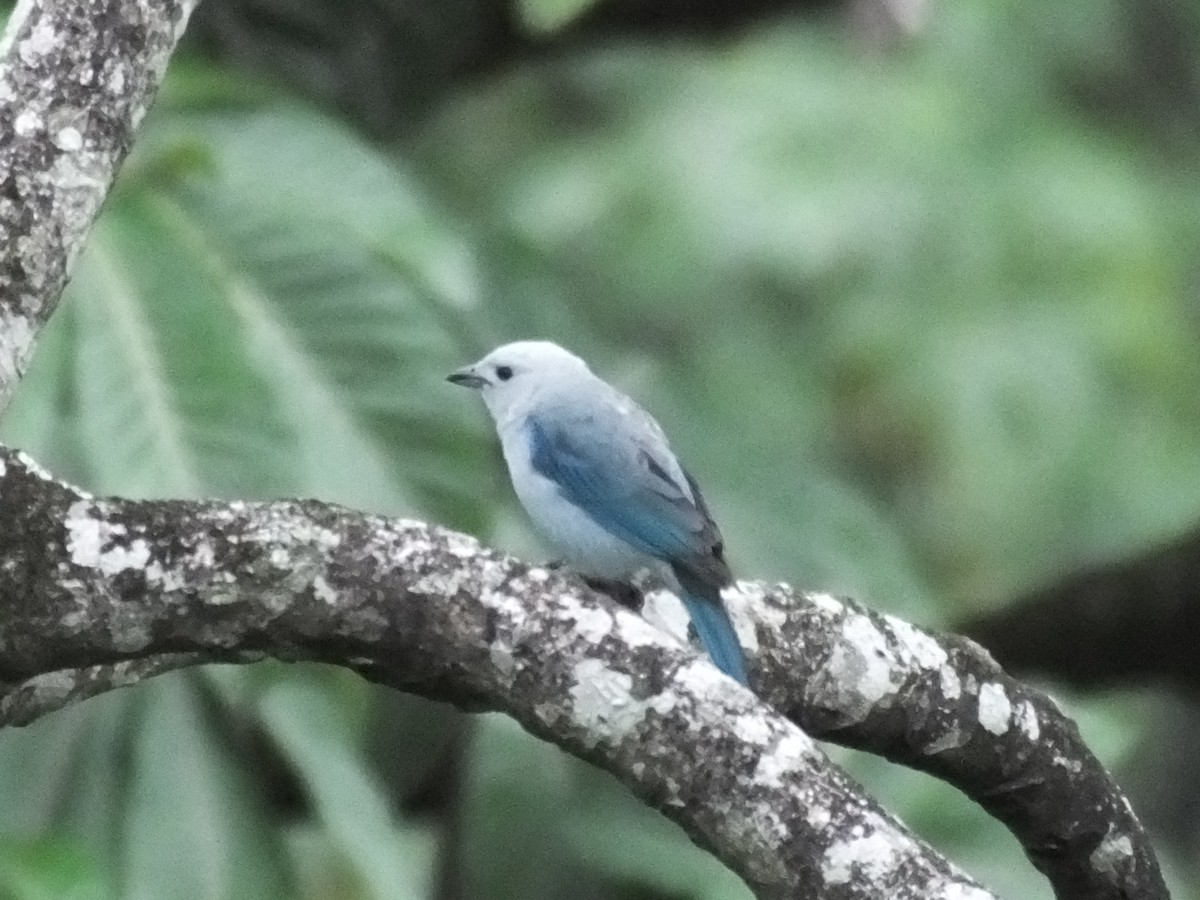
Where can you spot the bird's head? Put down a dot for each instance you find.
(514, 373)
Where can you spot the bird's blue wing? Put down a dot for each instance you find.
(625, 489)
(622, 488)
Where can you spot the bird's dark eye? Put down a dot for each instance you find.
(504, 372)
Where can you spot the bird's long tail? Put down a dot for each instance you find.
(716, 633)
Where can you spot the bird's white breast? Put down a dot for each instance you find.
(585, 545)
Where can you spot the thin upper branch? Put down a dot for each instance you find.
(88, 583)
(76, 78)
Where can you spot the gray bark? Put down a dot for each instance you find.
(76, 78)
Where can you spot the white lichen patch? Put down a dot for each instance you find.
(16, 339)
(322, 590)
(754, 728)
(957, 891)
(995, 709)
(164, 579)
(793, 751)
(52, 685)
(441, 584)
(68, 139)
(874, 856)
(708, 682)
(502, 658)
(817, 816)
(1113, 853)
(755, 599)
(80, 179)
(875, 677)
(604, 703)
(31, 465)
(42, 39)
(27, 123)
(98, 544)
(1027, 721)
(923, 649)
(637, 632)
(860, 671)
(503, 602)
(1071, 765)
(204, 555)
(513, 611)
(461, 545)
(739, 600)
(827, 602)
(666, 612)
(951, 683)
(116, 80)
(593, 624)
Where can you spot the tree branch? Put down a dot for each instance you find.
(86, 583)
(1137, 615)
(942, 705)
(76, 77)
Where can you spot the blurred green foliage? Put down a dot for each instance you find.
(922, 322)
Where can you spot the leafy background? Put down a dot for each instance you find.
(921, 313)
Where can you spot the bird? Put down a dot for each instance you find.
(596, 475)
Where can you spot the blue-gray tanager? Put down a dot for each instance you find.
(595, 473)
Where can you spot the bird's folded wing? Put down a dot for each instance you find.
(622, 483)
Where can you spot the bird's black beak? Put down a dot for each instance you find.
(467, 378)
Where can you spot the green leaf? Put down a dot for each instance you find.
(40, 772)
(194, 827)
(325, 872)
(624, 841)
(515, 807)
(43, 415)
(171, 399)
(547, 16)
(307, 721)
(248, 326)
(357, 296)
(48, 869)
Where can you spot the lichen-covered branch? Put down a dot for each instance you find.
(133, 587)
(941, 704)
(88, 582)
(76, 77)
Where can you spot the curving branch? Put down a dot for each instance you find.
(76, 78)
(133, 586)
(942, 705)
(87, 583)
